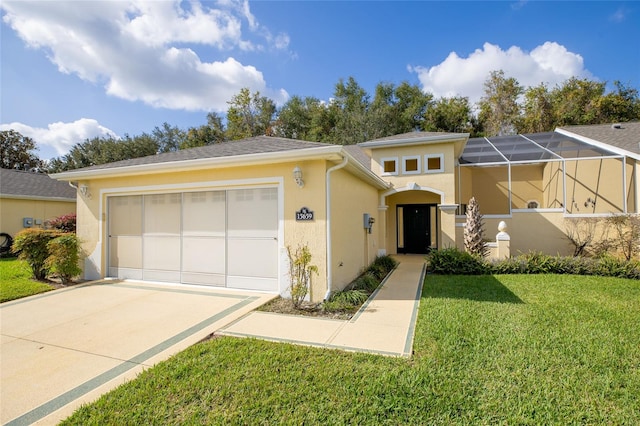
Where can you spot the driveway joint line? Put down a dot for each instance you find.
(67, 348)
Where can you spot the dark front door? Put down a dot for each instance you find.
(415, 228)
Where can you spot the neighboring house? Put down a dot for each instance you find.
(28, 200)
(224, 214)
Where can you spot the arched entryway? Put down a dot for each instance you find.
(412, 219)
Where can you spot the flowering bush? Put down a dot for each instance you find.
(64, 223)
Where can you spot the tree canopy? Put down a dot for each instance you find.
(18, 152)
(352, 115)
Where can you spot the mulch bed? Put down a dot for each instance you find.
(284, 306)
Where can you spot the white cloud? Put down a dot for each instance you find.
(550, 63)
(61, 136)
(144, 50)
(619, 15)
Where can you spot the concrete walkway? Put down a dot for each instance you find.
(384, 325)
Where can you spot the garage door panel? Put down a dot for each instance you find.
(125, 252)
(217, 280)
(126, 273)
(161, 253)
(162, 214)
(125, 214)
(204, 214)
(159, 275)
(253, 213)
(247, 283)
(253, 258)
(206, 255)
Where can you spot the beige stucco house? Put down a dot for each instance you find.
(223, 215)
(28, 200)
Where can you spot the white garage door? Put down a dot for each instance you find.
(221, 238)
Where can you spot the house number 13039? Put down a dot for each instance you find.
(304, 214)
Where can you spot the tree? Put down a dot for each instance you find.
(169, 138)
(619, 106)
(449, 115)
(349, 109)
(412, 104)
(16, 152)
(499, 108)
(382, 116)
(396, 110)
(249, 115)
(298, 119)
(102, 150)
(474, 230)
(538, 110)
(576, 102)
(207, 134)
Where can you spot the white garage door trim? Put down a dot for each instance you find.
(252, 255)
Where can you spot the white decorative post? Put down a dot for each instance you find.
(503, 240)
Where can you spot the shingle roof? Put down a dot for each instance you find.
(359, 154)
(254, 145)
(413, 135)
(622, 135)
(37, 185)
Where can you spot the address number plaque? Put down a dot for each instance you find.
(304, 214)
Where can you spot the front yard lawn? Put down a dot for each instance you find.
(16, 281)
(512, 349)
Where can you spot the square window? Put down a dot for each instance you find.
(434, 163)
(411, 165)
(389, 166)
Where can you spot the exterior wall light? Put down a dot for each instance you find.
(297, 176)
(84, 191)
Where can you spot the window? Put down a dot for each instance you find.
(389, 166)
(434, 163)
(411, 165)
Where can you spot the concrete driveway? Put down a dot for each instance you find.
(67, 347)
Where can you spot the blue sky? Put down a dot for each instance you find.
(77, 69)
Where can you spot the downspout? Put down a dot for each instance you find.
(345, 160)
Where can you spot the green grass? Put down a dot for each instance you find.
(510, 349)
(16, 281)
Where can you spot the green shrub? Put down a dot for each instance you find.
(455, 262)
(611, 266)
(378, 271)
(451, 261)
(538, 263)
(345, 301)
(64, 256)
(387, 262)
(366, 282)
(31, 245)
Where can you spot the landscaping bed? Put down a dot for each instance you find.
(342, 304)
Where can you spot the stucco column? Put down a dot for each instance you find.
(382, 229)
(447, 225)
